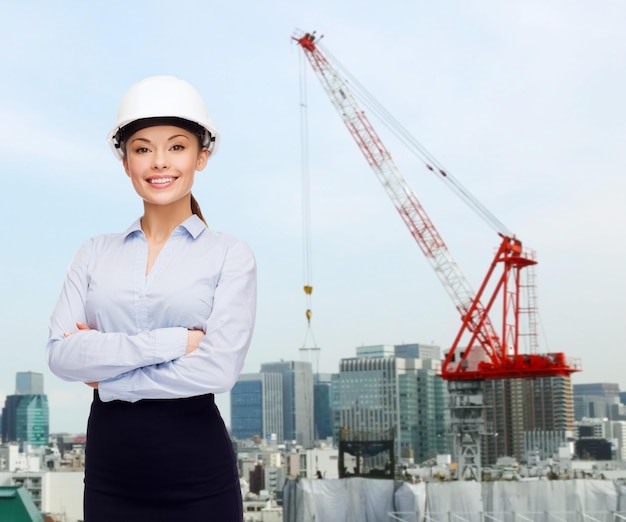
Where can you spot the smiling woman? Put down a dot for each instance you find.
(158, 319)
(161, 162)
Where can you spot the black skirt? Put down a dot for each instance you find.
(160, 460)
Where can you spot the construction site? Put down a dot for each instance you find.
(500, 383)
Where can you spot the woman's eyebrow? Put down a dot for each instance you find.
(140, 138)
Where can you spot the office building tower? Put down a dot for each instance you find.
(598, 400)
(297, 379)
(29, 383)
(404, 351)
(322, 409)
(433, 411)
(597, 389)
(417, 351)
(25, 416)
(256, 406)
(377, 351)
(378, 391)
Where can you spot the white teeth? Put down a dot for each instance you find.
(160, 181)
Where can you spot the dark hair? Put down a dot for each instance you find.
(195, 209)
(129, 129)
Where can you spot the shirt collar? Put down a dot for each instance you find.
(193, 225)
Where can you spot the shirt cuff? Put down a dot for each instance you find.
(169, 343)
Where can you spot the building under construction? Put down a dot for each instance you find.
(518, 409)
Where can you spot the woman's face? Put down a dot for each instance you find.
(161, 162)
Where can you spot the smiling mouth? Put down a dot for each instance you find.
(160, 181)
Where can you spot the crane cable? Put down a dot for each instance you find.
(307, 270)
(417, 149)
(431, 163)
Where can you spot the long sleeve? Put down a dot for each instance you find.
(95, 355)
(215, 366)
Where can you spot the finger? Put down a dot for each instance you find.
(82, 326)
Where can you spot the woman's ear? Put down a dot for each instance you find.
(203, 158)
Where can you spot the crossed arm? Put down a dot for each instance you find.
(168, 362)
(193, 341)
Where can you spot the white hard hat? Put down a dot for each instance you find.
(162, 100)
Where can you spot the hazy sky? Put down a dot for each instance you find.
(522, 101)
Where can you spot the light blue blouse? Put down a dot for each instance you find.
(139, 323)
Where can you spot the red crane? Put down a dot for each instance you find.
(489, 353)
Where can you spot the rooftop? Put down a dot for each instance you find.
(16, 505)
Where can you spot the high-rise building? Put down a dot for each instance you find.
(405, 351)
(379, 390)
(598, 389)
(25, 416)
(417, 351)
(322, 409)
(376, 351)
(598, 400)
(297, 380)
(256, 406)
(433, 411)
(29, 383)
(516, 406)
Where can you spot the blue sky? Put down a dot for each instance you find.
(522, 101)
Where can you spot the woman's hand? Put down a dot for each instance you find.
(193, 340)
(82, 327)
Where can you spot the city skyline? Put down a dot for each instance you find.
(224, 403)
(521, 102)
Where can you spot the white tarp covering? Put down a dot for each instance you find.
(463, 498)
(410, 499)
(546, 500)
(621, 497)
(373, 500)
(348, 500)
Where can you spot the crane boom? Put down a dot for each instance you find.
(499, 356)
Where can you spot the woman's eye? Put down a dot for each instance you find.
(178, 147)
(141, 150)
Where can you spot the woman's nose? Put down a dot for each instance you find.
(159, 160)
